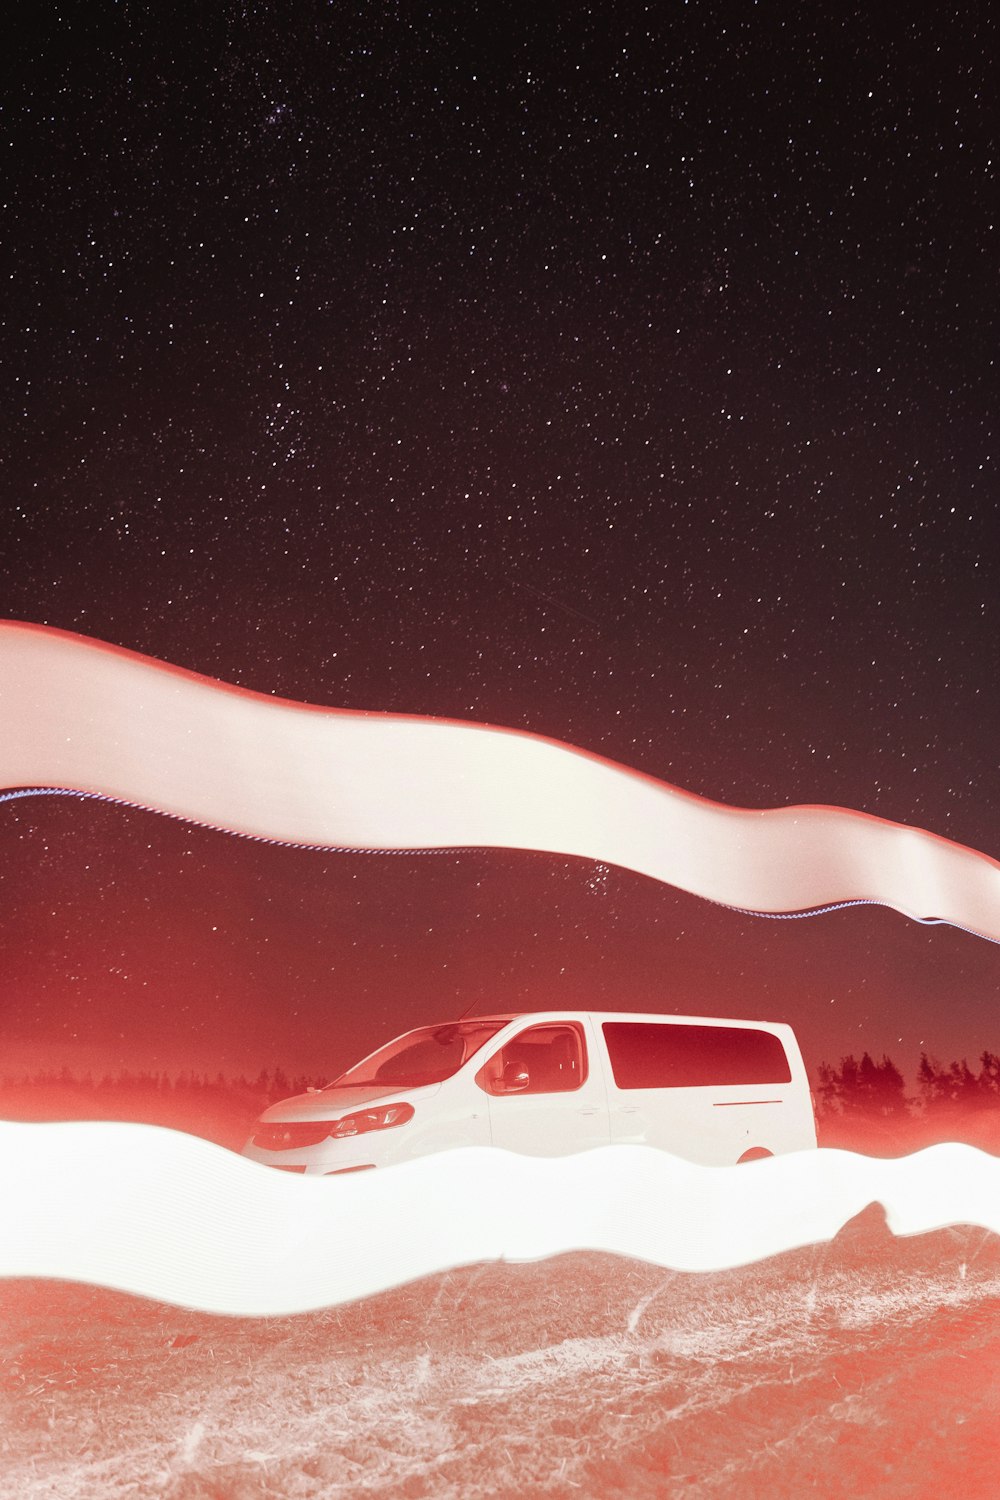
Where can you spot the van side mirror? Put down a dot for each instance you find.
(514, 1079)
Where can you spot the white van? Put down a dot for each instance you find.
(549, 1084)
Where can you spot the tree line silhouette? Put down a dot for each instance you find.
(219, 1108)
(877, 1090)
(856, 1089)
(270, 1085)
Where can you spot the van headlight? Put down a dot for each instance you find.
(381, 1118)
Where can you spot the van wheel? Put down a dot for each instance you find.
(756, 1153)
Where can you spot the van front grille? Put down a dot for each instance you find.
(286, 1137)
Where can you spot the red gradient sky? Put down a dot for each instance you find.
(627, 379)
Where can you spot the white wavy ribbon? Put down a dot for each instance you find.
(90, 718)
(165, 1215)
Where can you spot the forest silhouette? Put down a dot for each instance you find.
(861, 1104)
(877, 1090)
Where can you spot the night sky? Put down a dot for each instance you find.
(621, 373)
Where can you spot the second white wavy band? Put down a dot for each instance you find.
(85, 716)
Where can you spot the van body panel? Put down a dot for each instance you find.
(552, 1083)
(542, 1121)
(717, 1122)
(698, 1116)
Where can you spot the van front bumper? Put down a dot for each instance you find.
(324, 1160)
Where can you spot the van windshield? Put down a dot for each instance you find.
(429, 1055)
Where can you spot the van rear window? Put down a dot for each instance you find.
(655, 1055)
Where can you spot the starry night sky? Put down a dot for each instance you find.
(622, 373)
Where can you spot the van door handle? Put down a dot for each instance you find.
(628, 1109)
(590, 1109)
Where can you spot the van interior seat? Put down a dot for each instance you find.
(565, 1055)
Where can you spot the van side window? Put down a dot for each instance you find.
(657, 1056)
(543, 1060)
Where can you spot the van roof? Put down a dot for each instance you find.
(623, 1015)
